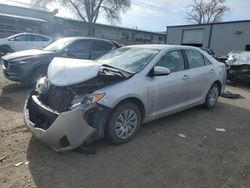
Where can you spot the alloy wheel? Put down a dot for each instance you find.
(126, 123)
(213, 95)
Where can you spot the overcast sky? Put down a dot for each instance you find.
(155, 15)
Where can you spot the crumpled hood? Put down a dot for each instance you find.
(242, 58)
(26, 53)
(67, 71)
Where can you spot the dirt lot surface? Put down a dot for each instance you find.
(157, 157)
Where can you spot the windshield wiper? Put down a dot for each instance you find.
(123, 73)
(106, 65)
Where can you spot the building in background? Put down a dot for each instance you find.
(19, 17)
(70, 27)
(220, 37)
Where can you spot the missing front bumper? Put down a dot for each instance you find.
(67, 131)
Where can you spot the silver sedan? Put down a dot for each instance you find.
(81, 101)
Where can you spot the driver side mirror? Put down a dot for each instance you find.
(159, 71)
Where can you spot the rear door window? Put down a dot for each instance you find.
(100, 46)
(40, 38)
(82, 46)
(207, 62)
(195, 59)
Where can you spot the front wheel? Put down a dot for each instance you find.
(123, 123)
(212, 96)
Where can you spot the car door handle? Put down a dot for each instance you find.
(212, 71)
(185, 77)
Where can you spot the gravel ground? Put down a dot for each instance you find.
(157, 157)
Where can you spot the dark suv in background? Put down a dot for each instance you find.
(30, 65)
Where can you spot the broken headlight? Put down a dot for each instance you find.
(86, 101)
(42, 85)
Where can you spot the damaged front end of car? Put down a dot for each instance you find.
(239, 67)
(239, 72)
(66, 116)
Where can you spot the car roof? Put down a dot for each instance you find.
(88, 38)
(162, 46)
(29, 34)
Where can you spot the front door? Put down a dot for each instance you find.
(169, 92)
(21, 42)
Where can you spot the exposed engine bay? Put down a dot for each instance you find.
(60, 98)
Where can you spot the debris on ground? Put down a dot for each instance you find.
(182, 135)
(2, 158)
(220, 129)
(27, 162)
(18, 164)
(230, 95)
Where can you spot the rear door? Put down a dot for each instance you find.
(201, 75)
(100, 48)
(40, 42)
(167, 93)
(33, 41)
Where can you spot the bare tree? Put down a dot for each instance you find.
(210, 11)
(89, 10)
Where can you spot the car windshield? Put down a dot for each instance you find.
(12, 36)
(129, 59)
(58, 45)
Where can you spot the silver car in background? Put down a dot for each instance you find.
(84, 100)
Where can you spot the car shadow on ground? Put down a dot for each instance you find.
(156, 157)
(12, 97)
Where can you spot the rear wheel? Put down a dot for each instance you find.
(212, 96)
(123, 123)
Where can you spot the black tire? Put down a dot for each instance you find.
(210, 103)
(230, 95)
(37, 74)
(112, 129)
